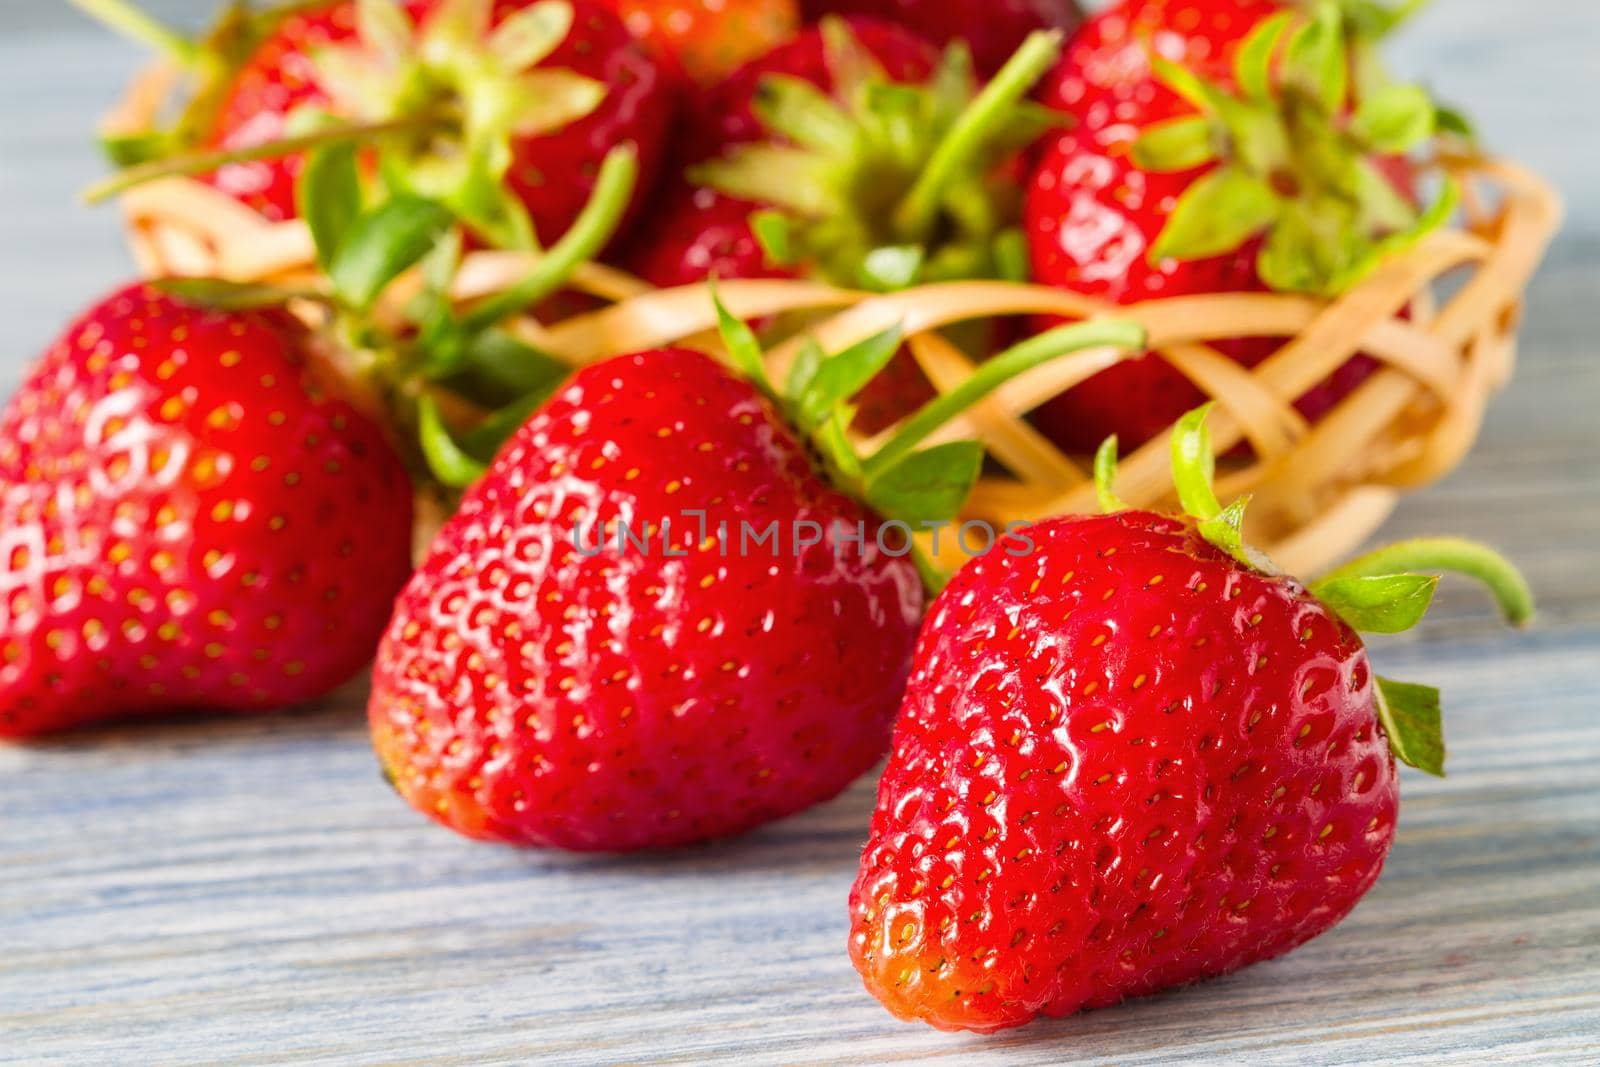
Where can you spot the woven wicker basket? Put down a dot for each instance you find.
(1441, 318)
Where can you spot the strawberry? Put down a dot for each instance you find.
(853, 155)
(1131, 755)
(190, 520)
(502, 108)
(547, 679)
(1217, 167)
(992, 30)
(864, 160)
(710, 38)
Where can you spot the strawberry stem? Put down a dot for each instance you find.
(589, 233)
(1105, 477)
(1452, 554)
(967, 137)
(189, 164)
(1109, 333)
(127, 19)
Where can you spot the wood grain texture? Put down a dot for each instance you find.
(248, 891)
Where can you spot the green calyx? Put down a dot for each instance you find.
(1295, 150)
(1386, 591)
(439, 104)
(901, 480)
(434, 355)
(882, 185)
(209, 61)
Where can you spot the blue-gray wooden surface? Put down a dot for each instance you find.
(250, 892)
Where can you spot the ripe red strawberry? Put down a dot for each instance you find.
(992, 30)
(832, 140)
(507, 106)
(710, 38)
(1129, 759)
(822, 160)
(1129, 205)
(546, 682)
(189, 521)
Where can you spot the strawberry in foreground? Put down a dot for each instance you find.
(992, 29)
(503, 109)
(1243, 157)
(1136, 756)
(709, 38)
(190, 521)
(548, 680)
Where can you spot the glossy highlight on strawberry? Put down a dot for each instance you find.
(1140, 756)
(531, 692)
(191, 521)
(1122, 764)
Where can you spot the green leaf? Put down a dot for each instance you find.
(1373, 20)
(486, 203)
(853, 67)
(804, 367)
(1452, 555)
(1287, 260)
(484, 440)
(328, 195)
(1410, 715)
(841, 376)
(1217, 213)
(1380, 604)
(1194, 465)
(1011, 258)
(447, 460)
(384, 28)
(1316, 59)
(526, 38)
(1435, 217)
(1105, 477)
(775, 234)
(796, 109)
(1187, 84)
(999, 369)
(383, 244)
(927, 486)
(1395, 119)
(219, 295)
(1225, 530)
(133, 149)
(1176, 145)
(740, 341)
(1454, 121)
(502, 367)
(1253, 65)
(890, 268)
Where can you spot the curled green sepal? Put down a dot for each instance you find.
(1194, 465)
(1381, 603)
(903, 481)
(1193, 471)
(1410, 715)
(740, 341)
(992, 374)
(1454, 555)
(583, 241)
(447, 460)
(1105, 476)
